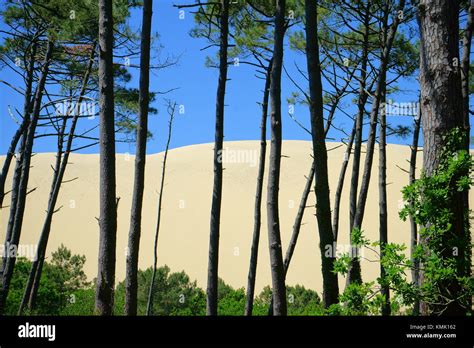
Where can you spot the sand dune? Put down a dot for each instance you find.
(184, 235)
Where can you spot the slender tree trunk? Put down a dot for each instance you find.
(321, 187)
(149, 307)
(25, 160)
(355, 277)
(32, 286)
(252, 275)
(415, 274)
(354, 269)
(139, 180)
(9, 157)
(273, 219)
(383, 215)
(442, 111)
(104, 299)
(212, 274)
(340, 184)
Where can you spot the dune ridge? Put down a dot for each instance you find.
(184, 234)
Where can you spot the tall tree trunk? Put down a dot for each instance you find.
(212, 273)
(383, 215)
(149, 307)
(415, 274)
(104, 299)
(354, 269)
(252, 275)
(442, 111)
(321, 187)
(32, 286)
(131, 284)
(25, 159)
(354, 277)
(273, 219)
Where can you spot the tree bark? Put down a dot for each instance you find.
(252, 275)
(213, 264)
(25, 160)
(321, 187)
(104, 299)
(131, 283)
(273, 219)
(442, 110)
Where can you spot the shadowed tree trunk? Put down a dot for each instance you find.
(258, 199)
(104, 297)
(415, 274)
(442, 111)
(212, 273)
(149, 307)
(32, 286)
(140, 158)
(25, 160)
(354, 273)
(274, 238)
(321, 187)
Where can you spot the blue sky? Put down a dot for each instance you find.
(196, 91)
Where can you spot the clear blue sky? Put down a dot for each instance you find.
(197, 92)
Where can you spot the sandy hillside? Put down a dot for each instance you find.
(184, 235)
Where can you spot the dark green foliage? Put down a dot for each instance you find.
(61, 278)
(445, 256)
(301, 301)
(174, 294)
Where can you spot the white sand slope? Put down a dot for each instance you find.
(184, 234)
